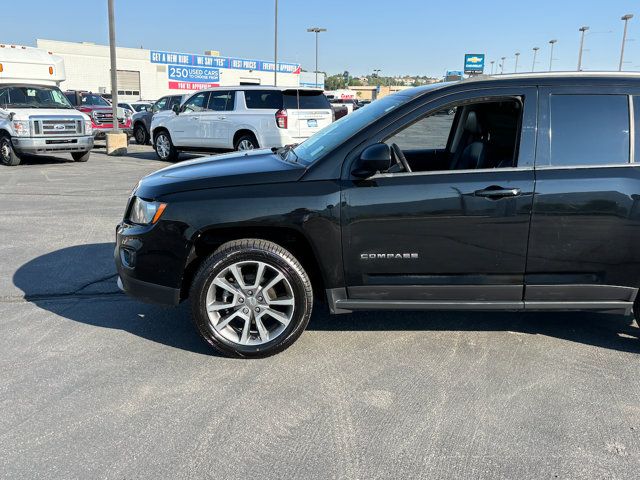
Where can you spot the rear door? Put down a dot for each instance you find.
(308, 111)
(585, 227)
(216, 120)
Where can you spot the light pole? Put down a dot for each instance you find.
(535, 54)
(502, 65)
(626, 19)
(583, 30)
(552, 43)
(492, 62)
(114, 72)
(517, 54)
(275, 49)
(317, 31)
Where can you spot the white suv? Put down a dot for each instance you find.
(240, 118)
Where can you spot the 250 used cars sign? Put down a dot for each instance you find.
(193, 74)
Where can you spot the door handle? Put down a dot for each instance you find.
(195, 118)
(497, 192)
(222, 118)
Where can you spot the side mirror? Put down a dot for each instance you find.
(374, 158)
(176, 109)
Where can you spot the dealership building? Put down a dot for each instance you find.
(150, 74)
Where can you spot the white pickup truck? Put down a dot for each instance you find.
(35, 116)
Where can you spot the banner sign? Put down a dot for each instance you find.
(193, 74)
(191, 85)
(474, 63)
(188, 59)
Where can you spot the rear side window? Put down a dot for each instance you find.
(589, 129)
(308, 100)
(263, 99)
(221, 101)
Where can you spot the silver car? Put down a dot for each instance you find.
(142, 120)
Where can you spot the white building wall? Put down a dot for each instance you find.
(88, 68)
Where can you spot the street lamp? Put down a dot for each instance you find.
(626, 19)
(492, 62)
(552, 43)
(502, 65)
(535, 54)
(583, 30)
(517, 56)
(317, 31)
(275, 48)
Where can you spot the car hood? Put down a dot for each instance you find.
(229, 170)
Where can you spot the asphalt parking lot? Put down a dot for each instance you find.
(97, 385)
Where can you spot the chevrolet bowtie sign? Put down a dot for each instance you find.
(474, 63)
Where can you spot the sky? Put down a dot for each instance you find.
(413, 37)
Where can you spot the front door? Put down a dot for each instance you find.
(455, 228)
(217, 119)
(187, 128)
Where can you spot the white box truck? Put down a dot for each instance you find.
(35, 116)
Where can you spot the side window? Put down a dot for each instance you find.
(172, 101)
(4, 96)
(220, 101)
(197, 103)
(431, 132)
(263, 99)
(466, 136)
(589, 129)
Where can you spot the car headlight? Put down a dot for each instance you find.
(146, 213)
(88, 127)
(21, 128)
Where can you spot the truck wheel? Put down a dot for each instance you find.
(246, 142)
(8, 155)
(251, 298)
(140, 134)
(80, 156)
(164, 147)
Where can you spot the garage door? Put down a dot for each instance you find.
(129, 83)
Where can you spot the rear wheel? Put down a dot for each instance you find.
(164, 147)
(8, 155)
(246, 142)
(251, 298)
(80, 156)
(140, 134)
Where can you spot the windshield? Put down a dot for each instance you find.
(93, 99)
(18, 96)
(340, 131)
(141, 107)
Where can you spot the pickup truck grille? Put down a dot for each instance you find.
(100, 118)
(46, 127)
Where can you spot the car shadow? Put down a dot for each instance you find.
(26, 159)
(85, 275)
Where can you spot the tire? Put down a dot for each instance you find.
(8, 155)
(164, 147)
(289, 299)
(80, 156)
(140, 134)
(246, 142)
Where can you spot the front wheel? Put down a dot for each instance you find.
(140, 134)
(251, 298)
(8, 155)
(164, 147)
(80, 156)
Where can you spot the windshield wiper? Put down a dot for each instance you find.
(284, 152)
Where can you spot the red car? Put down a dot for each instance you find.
(100, 111)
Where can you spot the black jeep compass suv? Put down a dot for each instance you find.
(513, 193)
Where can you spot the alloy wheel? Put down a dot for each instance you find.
(163, 146)
(250, 302)
(246, 144)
